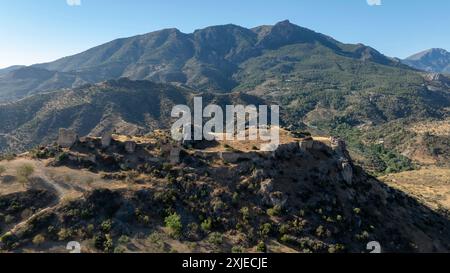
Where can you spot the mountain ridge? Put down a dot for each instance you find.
(209, 59)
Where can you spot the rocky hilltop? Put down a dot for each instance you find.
(119, 193)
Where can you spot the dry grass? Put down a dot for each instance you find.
(431, 186)
(437, 128)
(68, 183)
(250, 145)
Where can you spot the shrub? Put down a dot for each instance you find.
(124, 239)
(275, 211)
(62, 157)
(24, 172)
(237, 249)
(265, 230)
(108, 244)
(245, 213)
(320, 231)
(64, 234)
(285, 238)
(206, 225)
(38, 239)
(215, 238)
(154, 238)
(336, 248)
(173, 222)
(261, 247)
(284, 229)
(120, 249)
(106, 226)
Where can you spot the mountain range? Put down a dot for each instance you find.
(216, 58)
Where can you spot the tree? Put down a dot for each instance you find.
(24, 172)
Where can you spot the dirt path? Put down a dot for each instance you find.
(64, 182)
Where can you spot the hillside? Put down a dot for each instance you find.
(149, 194)
(129, 107)
(431, 60)
(429, 185)
(19, 82)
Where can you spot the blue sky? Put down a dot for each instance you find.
(35, 31)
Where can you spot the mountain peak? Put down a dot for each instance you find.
(431, 60)
(285, 22)
(433, 52)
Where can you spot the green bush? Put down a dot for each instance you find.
(261, 247)
(108, 244)
(245, 211)
(173, 222)
(206, 225)
(265, 230)
(106, 226)
(124, 239)
(215, 238)
(275, 211)
(237, 249)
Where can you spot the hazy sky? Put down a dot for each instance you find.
(35, 31)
